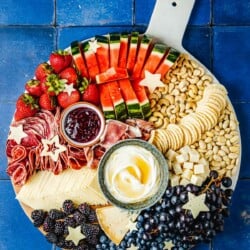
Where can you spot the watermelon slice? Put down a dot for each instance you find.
(132, 53)
(118, 101)
(78, 59)
(132, 103)
(168, 62)
(154, 59)
(144, 50)
(91, 61)
(112, 74)
(142, 98)
(124, 45)
(106, 102)
(102, 53)
(114, 40)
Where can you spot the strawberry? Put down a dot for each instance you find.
(26, 106)
(47, 102)
(91, 94)
(70, 75)
(34, 87)
(65, 99)
(53, 85)
(60, 60)
(43, 70)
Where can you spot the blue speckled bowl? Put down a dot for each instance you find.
(164, 175)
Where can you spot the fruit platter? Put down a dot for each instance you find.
(123, 141)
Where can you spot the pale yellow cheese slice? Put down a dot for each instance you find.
(115, 222)
(44, 190)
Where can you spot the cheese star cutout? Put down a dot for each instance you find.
(93, 45)
(131, 226)
(52, 148)
(196, 204)
(75, 235)
(133, 247)
(69, 88)
(168, 245)
(152, 81)
(17, 133)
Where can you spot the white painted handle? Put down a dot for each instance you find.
(169, 20)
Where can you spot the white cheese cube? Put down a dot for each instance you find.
(171, 154)
(199, 169)
(203, 161)
(184, 182)
(187, 174)
(177, 168)
(194, 156)
(185, 150)
(188, 165)
(196, 180)
(175, 180)
(182, 158)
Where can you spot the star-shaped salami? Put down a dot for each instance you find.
(168, 245)
(52, 148)
(152, 81)
(75, 235)
(196, 204)
(93, 45)
(17, 133)
(69, 88)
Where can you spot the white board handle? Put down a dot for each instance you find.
(169, 20)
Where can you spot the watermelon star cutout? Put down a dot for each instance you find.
(196, 204)
(17, 133)
(152, 81)
(168, 245)
(75, 235)
(52, 148)
(69, 88)
(93, 45)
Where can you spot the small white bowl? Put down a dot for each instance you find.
(82, 126)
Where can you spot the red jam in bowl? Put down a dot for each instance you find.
(82, 124)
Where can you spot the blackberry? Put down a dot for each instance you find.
(92, 216)
(51, 237)
(70, 221)
(82, 245)
(68, 207)
(48, 224)
(79, 217)
(68, 244)
(38, 216)
(59, 228)
(84, 208)
(56, 214)
(90, 230)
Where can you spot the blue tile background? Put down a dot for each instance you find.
(217, 34)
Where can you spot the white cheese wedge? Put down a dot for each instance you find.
(175, 179)
(194, 156)
(187, 174)
(45, 190)
(114, 222)
(177, 168)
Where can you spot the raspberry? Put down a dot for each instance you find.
(49, 224)
(51, 237)
(68, 207)
(59, 228)
(38, 217)
(56, 214)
